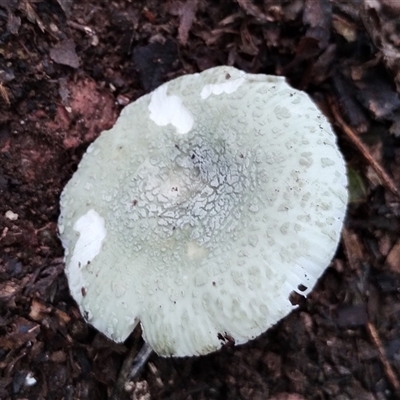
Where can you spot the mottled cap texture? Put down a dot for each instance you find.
(209, 202)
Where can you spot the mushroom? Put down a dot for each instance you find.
(209, 202)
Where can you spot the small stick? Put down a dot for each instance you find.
(385, 178)
(4, 94)
(89, 31)
(373, 333)
(140, 361)
(133, 364)
(353, 249)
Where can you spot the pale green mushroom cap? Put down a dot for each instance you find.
(210, 201)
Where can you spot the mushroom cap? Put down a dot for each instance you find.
(209, 202)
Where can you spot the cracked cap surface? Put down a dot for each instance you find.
(210, 200)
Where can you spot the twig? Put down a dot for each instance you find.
(385, 178)
(391, 376)
(140, 360)
(89, 31)
(4, 94)
(353, 249)
(133, 364)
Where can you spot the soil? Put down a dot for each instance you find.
(67, 68)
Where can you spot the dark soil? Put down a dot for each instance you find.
(66, 70)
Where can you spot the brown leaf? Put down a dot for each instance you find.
(13, 23)
(307, 49)
(353, 248)
(23, 331)
(345, 27)
(251, 9)
(393, 258)
(66, 6)
(381, 24)
(317, 14)
(31, 14)
(7, 290)
(10, 5)
(377, 93)
(187, 12)
(249, 43)
(350, 108)
(64, 53)
(38, 310)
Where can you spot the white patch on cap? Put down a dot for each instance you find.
(228, 87)
(92, 231)
(166, 110)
